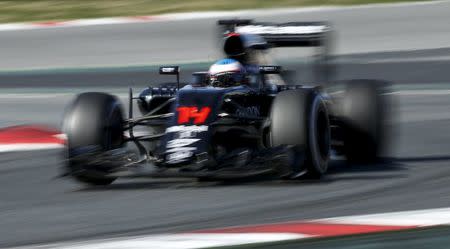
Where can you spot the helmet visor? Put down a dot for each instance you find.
(227, 79)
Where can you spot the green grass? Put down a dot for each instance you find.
(45, 10)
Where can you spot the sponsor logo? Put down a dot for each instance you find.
(189, 131)
(248, 111)
(178, 156)
(181, 142)
(169, 70)
(187, 128)
(187, 114)
(179, 148)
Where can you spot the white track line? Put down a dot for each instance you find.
(29, 146)
(428, 217)
(175, 241)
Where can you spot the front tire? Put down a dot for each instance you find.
(94, 120)
(299, 118)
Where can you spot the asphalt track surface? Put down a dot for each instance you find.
(421, 67)
(358, 30)
(37, 207)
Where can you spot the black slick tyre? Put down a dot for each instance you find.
(363, 114)
(94, 120)
(299, 118)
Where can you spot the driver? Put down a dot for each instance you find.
(227, 73)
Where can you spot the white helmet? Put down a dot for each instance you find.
(226, 73)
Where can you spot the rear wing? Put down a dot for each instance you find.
(291, 34)
(317, 35)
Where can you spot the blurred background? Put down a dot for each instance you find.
(52, 50)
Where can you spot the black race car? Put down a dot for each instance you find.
(203, 131)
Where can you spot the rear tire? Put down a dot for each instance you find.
(94, 120)
(364, 111)
(299, 118)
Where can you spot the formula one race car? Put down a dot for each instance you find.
(239, 119)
